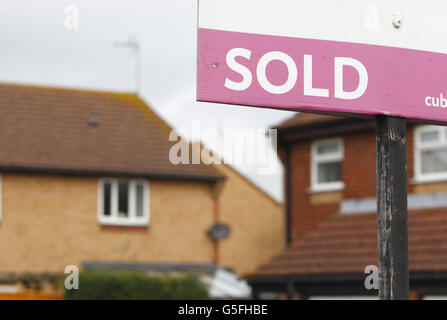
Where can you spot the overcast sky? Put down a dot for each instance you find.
(37, 48)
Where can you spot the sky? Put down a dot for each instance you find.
(38, 48)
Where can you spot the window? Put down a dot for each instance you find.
(123, 202)
(430, 154)
(327, 156)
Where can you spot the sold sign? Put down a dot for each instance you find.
(324, 57)
(292, 74)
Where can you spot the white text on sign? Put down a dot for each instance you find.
(289, 84)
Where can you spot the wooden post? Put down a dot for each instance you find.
(392, 217)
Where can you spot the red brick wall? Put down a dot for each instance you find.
(304, 216)
(358, 172)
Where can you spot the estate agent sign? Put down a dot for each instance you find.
(383, 58)
(348, 56)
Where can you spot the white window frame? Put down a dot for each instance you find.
(132, 219)
(420, 146)
(318, 158)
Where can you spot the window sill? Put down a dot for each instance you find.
(428, 180)
(123, 223)
(123, 228)
(326, 189)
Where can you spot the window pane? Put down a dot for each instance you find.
(428, 136)
(434, 161)
(139, 200)
(123, 199)
(329, 147)
(329, 172)
(107, 192)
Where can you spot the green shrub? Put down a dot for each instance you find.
(109, 285)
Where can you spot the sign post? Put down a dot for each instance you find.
(392, 218)
(377, 59)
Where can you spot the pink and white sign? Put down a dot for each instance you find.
(347, 57)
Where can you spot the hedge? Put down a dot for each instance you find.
(110, 285)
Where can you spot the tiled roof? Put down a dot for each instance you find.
(346, 244)
(86, 132)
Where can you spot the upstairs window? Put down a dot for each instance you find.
(327, 156)
(123, 202)
(430, 153)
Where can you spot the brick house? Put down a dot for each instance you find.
(330, 207)
(86, 180)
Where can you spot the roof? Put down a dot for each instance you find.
(305, 119)
(86, 132)
(346, 244)
(301, 119)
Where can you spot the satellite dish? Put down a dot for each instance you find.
(219, 231)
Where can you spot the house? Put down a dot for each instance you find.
(86, 180)
(331, 209)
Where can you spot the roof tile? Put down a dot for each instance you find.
(86, 131)
(348, 243)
